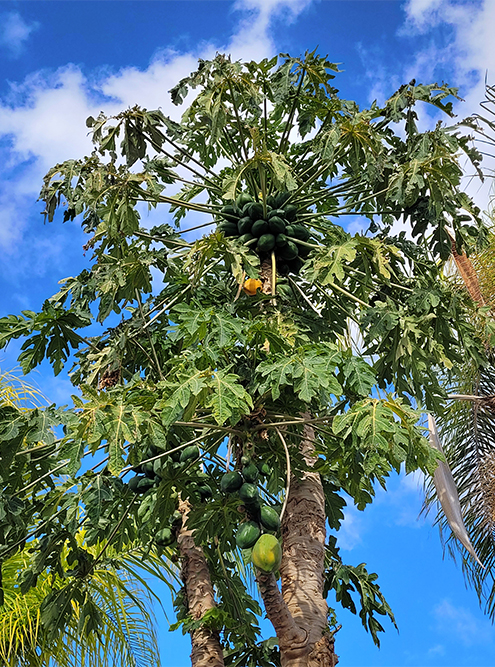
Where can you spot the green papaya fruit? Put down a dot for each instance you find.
(230, 211)
(276, 213)
(298, 232)
(276, 225)
(303, 250)
(264, 469)
(205, 491)
(149, 470)
(247, 535)
(189, 453)
(259, 228)
(176, 519)
(244, 225)
(144, 484)
(231, 482)
(295, 265)
(133, 483)
(228, 229)
(175, 456)
(280, 199)
(290, 212)
(246, 237)
(255, 211)
(250, 473)
(269, 518)
(164, 537)
(242, 199)
(289, 252)
(266, 243)
(248, 493)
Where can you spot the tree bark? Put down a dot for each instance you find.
(468, 274)
(206, 648)
(299, 613)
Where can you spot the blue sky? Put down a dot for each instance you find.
(62, 61)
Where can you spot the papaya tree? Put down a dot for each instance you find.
(245, 367)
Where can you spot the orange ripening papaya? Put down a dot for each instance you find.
(251, 286)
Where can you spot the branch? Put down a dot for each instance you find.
(287, 458)
(290, 636)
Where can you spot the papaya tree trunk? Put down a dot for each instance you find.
(206, 648)
(302, 568)
(299, 612)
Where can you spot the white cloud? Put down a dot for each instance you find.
(253, 39)
(469, 47)
(352, 528)
(456, 43)
(149, 88)
(14, 32)
(436, 650)
(49, 126)
(421, 14)
(462, 625)
(44, 116)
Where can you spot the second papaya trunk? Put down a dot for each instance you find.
(206, 648)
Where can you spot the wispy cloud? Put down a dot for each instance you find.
(461, 42)
(462, 625)
(254, 39)
(438, 649)
(402, 501)
(422, 15)
(14, 32)
(352, 529)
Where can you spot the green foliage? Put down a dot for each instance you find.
(103, 619)
(193, 361)
(347, 579)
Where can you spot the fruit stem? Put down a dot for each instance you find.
(274, 275)
(287, 459)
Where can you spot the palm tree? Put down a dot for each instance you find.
(116, 602)
(465, 486)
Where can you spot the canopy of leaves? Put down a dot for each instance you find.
(188, 359)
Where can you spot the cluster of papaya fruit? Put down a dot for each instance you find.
(148, 476)
(149, 473)
(257, 532)
(267, 228)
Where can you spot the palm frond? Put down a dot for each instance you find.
(119, 631)
(15, 391)
(447, 495)
(467, 431)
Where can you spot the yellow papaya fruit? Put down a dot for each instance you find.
(251, 286)
(267, 553)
